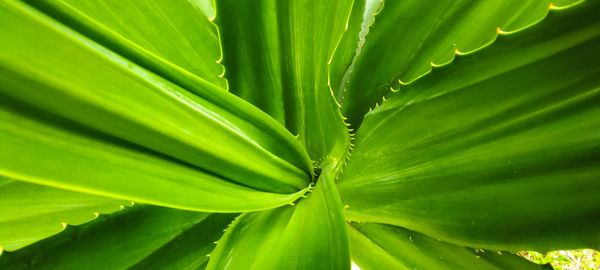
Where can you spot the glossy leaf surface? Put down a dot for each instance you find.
(174, 39)
(79, 80)
(378, 246)
(136, 238)
(310, 235)
(80, 159)
(33, 212)
(457, 156)
(407, 38)
(277, 55)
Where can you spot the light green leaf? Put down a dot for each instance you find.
(175, 39)
(353, 40)
(49, 150)
(408, 38)
(136, 238)
(310, 235)
(277, 55)
(56, 70)
(379, 246)
(33, 212)
(190, 249)
(498, 150)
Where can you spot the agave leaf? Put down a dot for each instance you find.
(52, 151)
(135, 238)
(58, 71)
(175, 39)
(310, 235)
(361, 18)
(277, 55)
(408, 38)
(498, 150)
(380, 246)
(33, 212)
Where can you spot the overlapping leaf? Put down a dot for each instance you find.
(498, 150)
(55, 75)
(277, 55)
(126, 99)
(379, 246)
(407, 38)
(33, 212)
(66, 155)
(172, 38)
(138, 238)
(310, 235)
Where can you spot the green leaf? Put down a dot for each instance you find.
(408, 38)
(136, 238)
(277, 55)
(310, 235)
(58, 71)
(498, 150)
(33, 212)
(45, 149)
(380, 246)
(174, 39)
(361, 18)
(346, 49)
(190, 249)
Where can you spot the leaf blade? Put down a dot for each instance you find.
(379, 246)
(31, 212)
(505, 128)
(87, 88)
(278, 55)
(176, 40)
(102, 165)
(409, 38)
(147, 231)
(310, 235)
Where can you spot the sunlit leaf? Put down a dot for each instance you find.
(379, 246)
(33, 212)
(408, 38)
(310, 235)
(140, 238)
(172, 38)
(277, 55)
(56, 71)
(498, 150)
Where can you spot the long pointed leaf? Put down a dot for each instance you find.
(68, 156)
(379, 246)
(136, 238)
(58, 71)
(33, 212)
(498, 150)
(174, 39)
(408, 38)
(277, 55)
(310, 235)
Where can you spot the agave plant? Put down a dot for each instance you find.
(297, 134)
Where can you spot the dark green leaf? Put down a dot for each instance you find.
(310, 235)
(57, 71)
(52, 151)
(277, 55)
(499, 150)
(141, 237)
(410, 37)
(378, 246)
(33, 212)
